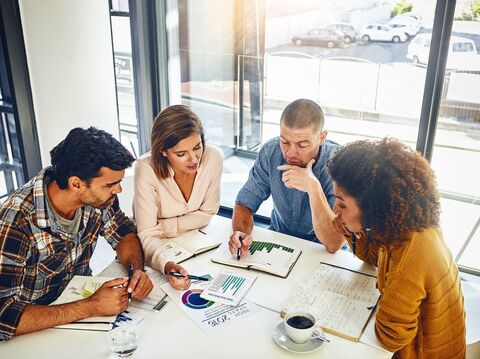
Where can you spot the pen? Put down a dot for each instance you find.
(189, 276)
(239, 250)
(130, 275)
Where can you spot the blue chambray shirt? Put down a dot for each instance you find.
(291, 212)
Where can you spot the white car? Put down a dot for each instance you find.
(410, 15)
(409, 29)
(382, 32)
(462, 53)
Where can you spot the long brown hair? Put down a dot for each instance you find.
(171, 126)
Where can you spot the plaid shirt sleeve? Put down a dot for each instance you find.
(116, 224)
(14, 252)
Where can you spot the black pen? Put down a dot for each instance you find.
(130, 275)
(239, 250)
(189, 276)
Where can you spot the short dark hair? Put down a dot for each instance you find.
(302, 113)
(171, 126)
(393, 185)
(84, 152)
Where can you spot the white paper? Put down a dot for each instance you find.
(117, 270)
(228, 287)
(138, 310)
(196, 241)
(208, 315)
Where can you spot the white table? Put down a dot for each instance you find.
(171, 334)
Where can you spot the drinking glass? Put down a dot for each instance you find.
(124, 339)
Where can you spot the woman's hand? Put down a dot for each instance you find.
(177, 283)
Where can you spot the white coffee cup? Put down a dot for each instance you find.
(299, 326)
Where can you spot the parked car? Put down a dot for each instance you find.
(350, 33)
(409, 29)
(382, 32)
(462, 52)
(411, 15)
(406, 20)
(322, 37)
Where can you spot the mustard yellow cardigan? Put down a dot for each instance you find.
(421, 312)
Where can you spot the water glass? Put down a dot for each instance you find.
(123, 339)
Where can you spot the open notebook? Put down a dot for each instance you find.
(81, 287)
(341, 300)
(268, 257)
(186, 245)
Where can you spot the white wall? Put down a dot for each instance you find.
(69, 54)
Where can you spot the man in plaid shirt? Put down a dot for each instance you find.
(49, 229)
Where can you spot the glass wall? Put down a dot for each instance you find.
(122, 48)
(364, 62)
(11, 167)
(262, 54)
(456, 153)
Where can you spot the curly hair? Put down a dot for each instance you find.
(393, 185)
(84, 152)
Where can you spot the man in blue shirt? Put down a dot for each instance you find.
(292, 169)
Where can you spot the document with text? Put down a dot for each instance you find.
(341, 300)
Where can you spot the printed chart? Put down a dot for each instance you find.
(208, 314)
(229, 287)
(192, 299)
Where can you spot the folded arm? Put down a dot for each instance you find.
(397, 320)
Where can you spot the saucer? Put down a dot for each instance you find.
(281, 338)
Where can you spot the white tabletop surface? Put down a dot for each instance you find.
(171, 334)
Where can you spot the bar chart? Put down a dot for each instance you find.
(228, 287)
(258, 246)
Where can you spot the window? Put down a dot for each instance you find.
(239, 75)
(19, 148)
(463, 47)
(456, 152)
(122, 49)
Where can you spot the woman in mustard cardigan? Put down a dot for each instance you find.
(388, 209)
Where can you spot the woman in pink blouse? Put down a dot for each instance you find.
(177, 185)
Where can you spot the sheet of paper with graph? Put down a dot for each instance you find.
(340, 299)
(268, 257)
(228, 287)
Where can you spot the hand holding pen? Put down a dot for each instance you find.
(180, 280)
(189, 276)
(239, 243)
(130, 275)
(139, 284)
(239, 249)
